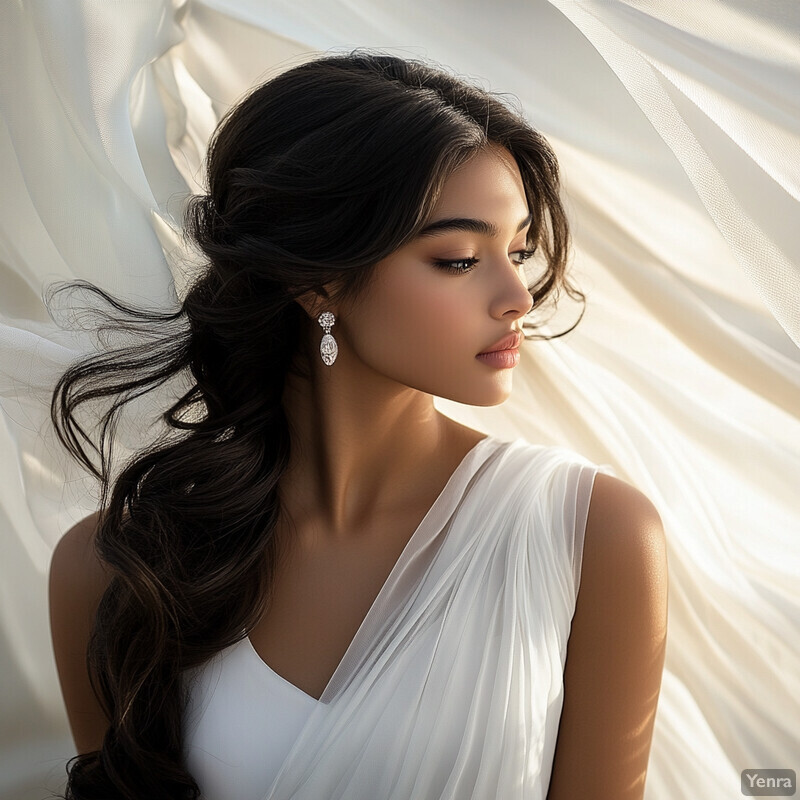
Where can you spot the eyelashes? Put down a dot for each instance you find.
(461, 266)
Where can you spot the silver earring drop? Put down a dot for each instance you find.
(328, 348)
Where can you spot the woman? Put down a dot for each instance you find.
(318, 585)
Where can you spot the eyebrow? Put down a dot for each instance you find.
(468, 225)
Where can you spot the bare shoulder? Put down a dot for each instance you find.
(618, 509)
(75, 566)
(624, 561)
(616, 648)
(77, 582)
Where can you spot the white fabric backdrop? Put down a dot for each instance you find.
(678, 129)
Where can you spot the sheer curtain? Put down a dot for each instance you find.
(677, 126)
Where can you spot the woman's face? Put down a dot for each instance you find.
(431, 309)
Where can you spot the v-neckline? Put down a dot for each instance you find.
(325, 698)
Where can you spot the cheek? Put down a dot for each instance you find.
(439, 317)
(422, 325)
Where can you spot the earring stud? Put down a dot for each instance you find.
(328, 348)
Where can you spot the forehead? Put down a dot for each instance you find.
(485, 186)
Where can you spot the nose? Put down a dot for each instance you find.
(511, 298)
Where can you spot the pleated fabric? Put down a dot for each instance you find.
(677, 127)
(453, 684)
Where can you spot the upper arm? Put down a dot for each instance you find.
(616, 648)
(76, 584)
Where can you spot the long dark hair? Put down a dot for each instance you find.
(313, 178)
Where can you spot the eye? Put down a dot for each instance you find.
(463, 265)
(524, 255)
(459, 266)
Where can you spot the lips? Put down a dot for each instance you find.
(509, 342)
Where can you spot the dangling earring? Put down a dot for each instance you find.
(328, 348)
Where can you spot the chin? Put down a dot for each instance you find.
(468, 387)
(487, 396)
(499, 400)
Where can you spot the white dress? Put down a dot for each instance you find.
(453, 684)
